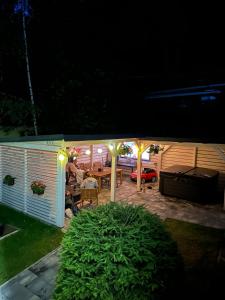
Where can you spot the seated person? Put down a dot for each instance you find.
(79, 172)
(89, 182)
(70, 207)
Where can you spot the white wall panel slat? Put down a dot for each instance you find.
(84, 158)
(42, 166)
(13, 164)
(178, 155)
(28, 165)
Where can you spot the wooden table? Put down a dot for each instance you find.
(106, 172)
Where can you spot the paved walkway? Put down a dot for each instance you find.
(37, 281)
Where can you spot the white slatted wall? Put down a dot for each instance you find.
(13, 164)
(28, 165)
(42, 165)
(209, 157)
(84, 158)
(206, 157)
(100, 157)
(178, 155)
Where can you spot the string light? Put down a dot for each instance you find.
(88, 152)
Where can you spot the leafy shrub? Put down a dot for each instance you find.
(116, 251)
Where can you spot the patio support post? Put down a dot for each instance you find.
(114, 147)
(25, 180)
(141, 148)
(139, 170)
(113, 178)
(60, 191)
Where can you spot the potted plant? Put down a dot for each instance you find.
(73, 152)
(154, 149)
(9, 180)
(38, 187)
(125, 149)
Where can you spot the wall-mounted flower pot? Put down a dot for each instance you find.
(39, 192)
(38, 187)
(9, 180)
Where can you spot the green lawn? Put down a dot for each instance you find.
(199, 245)
(33, 240)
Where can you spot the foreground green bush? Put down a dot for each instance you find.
(116, 252)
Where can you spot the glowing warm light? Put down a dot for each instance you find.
(61, 157)
(99, 150)
(111, 147)
(88, 152)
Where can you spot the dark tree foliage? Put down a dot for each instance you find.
(92, 62)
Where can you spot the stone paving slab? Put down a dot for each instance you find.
(40, 288)
(35, 282)
(17, 291)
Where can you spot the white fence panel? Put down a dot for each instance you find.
(42, 165)
(28, 165)
(13, 164)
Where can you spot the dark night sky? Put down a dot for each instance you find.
(142, 46)
(133, 38)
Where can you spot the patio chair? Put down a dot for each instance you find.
(106, 182)
(90, 195)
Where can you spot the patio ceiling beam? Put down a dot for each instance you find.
(96, 142)
(180, 143)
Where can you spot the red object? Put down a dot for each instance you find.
(146, 175)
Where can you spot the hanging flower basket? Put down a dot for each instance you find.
(38, 187)
(125, 149)
(73, 152)
(9, 180)
(154, 149)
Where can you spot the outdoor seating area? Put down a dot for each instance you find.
(79, 195)
(210, 214)
(90, 164)
(108, 160)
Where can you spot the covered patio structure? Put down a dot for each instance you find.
(44, 158)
